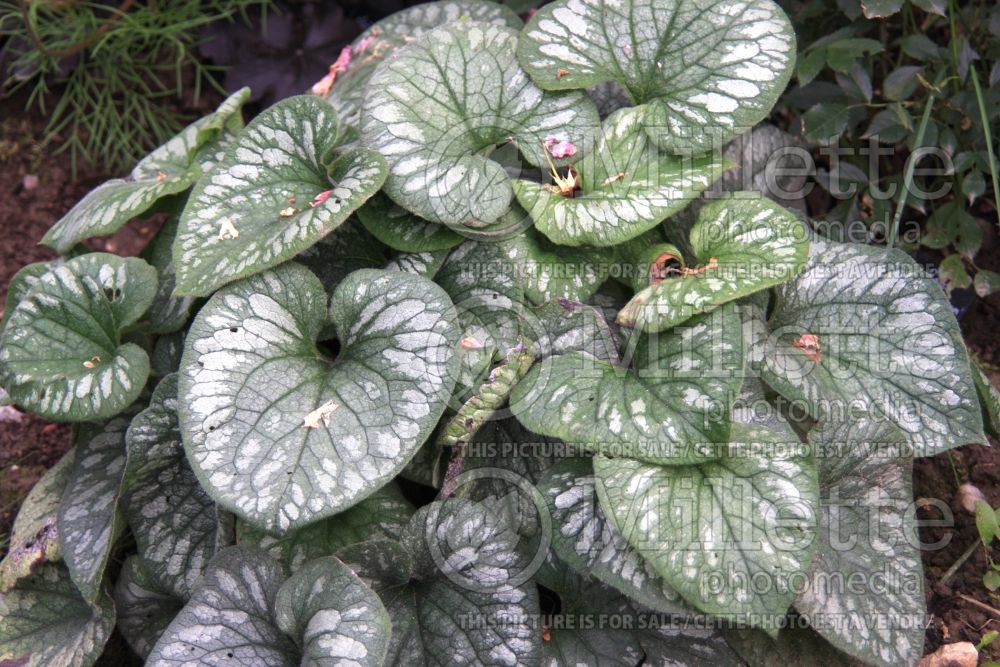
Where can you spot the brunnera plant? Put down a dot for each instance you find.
(310, 416)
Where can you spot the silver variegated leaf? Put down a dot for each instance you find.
(230, 618)
(564, 326)
(175, 523)
(337, 619)
(706, 70)
(145, 608)
(279, 189)
(44, 622)
(170, 169)
(89, 519)
(61, 352)
(865, 329)
(397, 30)
(669, 406)
(867, 534)
(454, 91)
(281, 434)
(467, 567)
(742, 246)
(587, 542)
(731, 536)
(626, 187)
(594, 624)
(425, 264)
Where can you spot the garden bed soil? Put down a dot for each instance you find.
(29, 445)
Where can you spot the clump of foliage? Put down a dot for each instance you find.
(884, 79)
(475, 262)
(121, 72)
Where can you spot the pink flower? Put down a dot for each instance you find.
(343, 60)
(559, 148)
(322, 87)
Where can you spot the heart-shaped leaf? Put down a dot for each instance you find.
(319, 434)
(626, 187)
(61, 353)
(144, 607)
(706, 72)
(338, 618)
(467, 567)
(453, 93)
(867, 534)
(33, 537)
(382, 515)
(171, 168)
(590, 544)
(399, 229)
(732, 536)
(395, 31)
(174, 522)
(279, 189)
(741, 246)
(865, 329)
(89, 520)
(669, 408)
(44, 622)
(245, 611)
(230, 616)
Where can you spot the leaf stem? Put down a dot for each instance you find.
(988, 135)
(910, 167)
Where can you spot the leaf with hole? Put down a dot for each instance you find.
(281, 433)
(33, 538)
(62, 353)
(45, 622)
(245, 610)
(175, 523)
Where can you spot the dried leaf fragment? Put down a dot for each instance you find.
(809, 344)
(320, 414)
(227, 230)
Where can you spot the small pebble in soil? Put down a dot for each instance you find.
(967, 496)
(959, 654)
(29, 182)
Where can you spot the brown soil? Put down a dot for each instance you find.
(29, 445)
